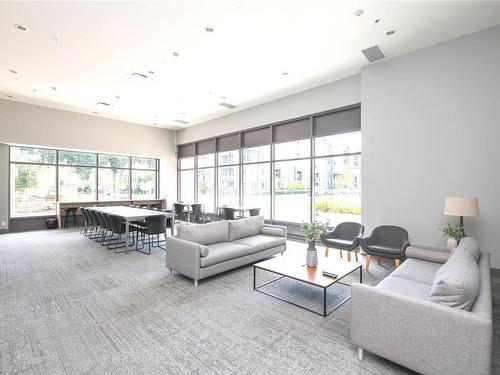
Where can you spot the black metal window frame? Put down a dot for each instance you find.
(272, 161)
(96, 166)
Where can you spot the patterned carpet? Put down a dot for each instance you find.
(69, 306)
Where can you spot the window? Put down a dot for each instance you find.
(345, 143)
(256, 154)
(292, 191)
(206, 188)
(187, 163)
(114, 161)
(229, 157)
(187, 186)
(143, 184)
(76, 184)
(143, 163)
(228, 186)
(32, 155)
(32, 189)
(256, 187)
(206, 160)
(113, 184)
(337, 189)
(292, 150)
(77, 158)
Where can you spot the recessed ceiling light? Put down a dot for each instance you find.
(223, 97)
(227, 105)
(117, 96)
(55, 39)
(183, 113)
(284, 73)
(377, 20)
(175, 54)
(54, 88)
(151, 72)
(96, 113)
(20, 27)
(35, 90)
(390, 32)
(9, 96)
(155, 124)
(209, 29)
(182, 121)
(13, 71)
(359, 12)
(140, 78)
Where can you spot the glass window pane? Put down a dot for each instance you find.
(337, 144)
(77, 184)
(113, 184)
(187, 186)
(254, 154)
(143, 163)
(292, 150)
(32, 190)
(77, 158)
(114, 161)
(32, 155)
(206, 160)
(292, 191)
(229, 157)
(143, 184)
(228, 186)
(338, 189)
(256, 187)
(187, 163)
(206, 189)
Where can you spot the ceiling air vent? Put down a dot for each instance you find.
(227, 105)
(373, 53)
(182, 122)
(140, 78)
(104, 104)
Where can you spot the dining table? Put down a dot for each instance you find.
(240, 209)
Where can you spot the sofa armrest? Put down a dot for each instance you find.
(184, 256)
(428, 253)
(421, 335)
(274, 230)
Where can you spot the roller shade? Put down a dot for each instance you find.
(337, 122)
(185, 151)
(292, 131)
(257, 137)
(228, 143)
(205, 147)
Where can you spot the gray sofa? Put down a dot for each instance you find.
(202, 250)
(433, 314)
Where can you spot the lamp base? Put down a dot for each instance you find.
(462, 232)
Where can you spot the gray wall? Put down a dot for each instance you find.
(333, 95)
(431, 129)
(27, 124)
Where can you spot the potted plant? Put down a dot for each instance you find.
(312, 232)
(452, 233)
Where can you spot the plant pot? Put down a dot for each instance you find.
(451, 243)
(312, 256)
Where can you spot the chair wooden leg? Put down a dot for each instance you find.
(356, 253)
(396, 262)
(379, 259)
(340, 251)
(326, 251)
(348, 256)
(367, 264)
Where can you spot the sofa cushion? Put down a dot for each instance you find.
(222, 251)
(417, 270)
(389, 250)
(250, 226)
(338, 242)
(457, 282)
(470, 245)
(260, 242)
(204, 234)
(270, 231)
(407, 287)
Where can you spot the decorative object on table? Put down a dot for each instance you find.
(452, 233)
(461, 206)
(313, 232)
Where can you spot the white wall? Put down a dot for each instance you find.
(22, 123)
(431, 129)
(333, 95)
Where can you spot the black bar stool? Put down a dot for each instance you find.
(71, 211)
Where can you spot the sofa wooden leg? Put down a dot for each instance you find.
(379, 259)
(326, 251)
(356, 253)
(396, 262)
(195, 283)
(361, 354)
(367, 263)
(348, 256)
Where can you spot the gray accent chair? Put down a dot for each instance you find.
(202, 250)
(385, 241)
(400, 320)
(344, 237)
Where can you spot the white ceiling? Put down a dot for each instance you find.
(88, 49)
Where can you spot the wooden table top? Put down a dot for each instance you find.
(293, 265)
(130, 212)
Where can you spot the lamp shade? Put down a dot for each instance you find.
(461, 206)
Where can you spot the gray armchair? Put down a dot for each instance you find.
(386, 241)
(344, 237)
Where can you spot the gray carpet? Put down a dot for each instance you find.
(69, 306)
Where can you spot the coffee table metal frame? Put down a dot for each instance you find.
(325, 313)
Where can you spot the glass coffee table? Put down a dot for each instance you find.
(293, 266)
